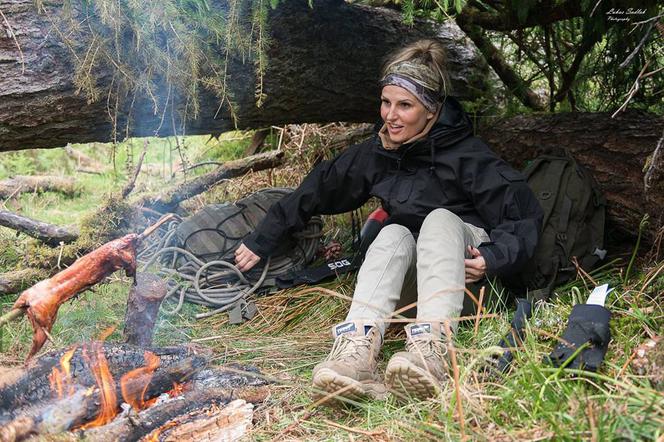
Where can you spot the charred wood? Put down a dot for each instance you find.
(158, 416)
(16, 185)
(31, 385)
(229, 423)
(83, 406)
(48, 233)
(145, 298)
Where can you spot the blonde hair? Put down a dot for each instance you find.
(428, 52)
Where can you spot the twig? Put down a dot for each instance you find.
(624, 367)
(479, 311)
(638, 47)
(370, 434)
(130, 185)
(11, 315)
(633, 90)
(455, 371)
(582, 272)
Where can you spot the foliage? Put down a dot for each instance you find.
(166, 51)
(579, 63)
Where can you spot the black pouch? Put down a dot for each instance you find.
(587, 323)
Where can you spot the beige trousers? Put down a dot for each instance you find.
(399, 271)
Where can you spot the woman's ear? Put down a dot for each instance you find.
(430, 115)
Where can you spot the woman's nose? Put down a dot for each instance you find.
(391, 114)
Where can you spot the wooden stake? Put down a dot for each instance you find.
(479, 311)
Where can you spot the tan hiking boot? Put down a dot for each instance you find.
(421, 370)
(350, 369)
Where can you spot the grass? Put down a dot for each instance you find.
(291, 332)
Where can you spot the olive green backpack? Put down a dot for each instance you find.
(573, 226)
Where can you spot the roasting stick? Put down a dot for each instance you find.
(17, 312)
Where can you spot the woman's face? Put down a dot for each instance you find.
(404, 115)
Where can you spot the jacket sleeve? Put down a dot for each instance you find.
(335, 186)
(507, 205)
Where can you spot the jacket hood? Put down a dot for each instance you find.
(453, 124)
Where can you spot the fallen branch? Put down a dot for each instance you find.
(48, 233)
(19, 280)
(19, 184)
(230, 169)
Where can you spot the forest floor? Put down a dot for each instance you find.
(291, 332)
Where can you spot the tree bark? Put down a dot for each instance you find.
(614, 150)
(48, 233)
(16, 185)
(323, 66)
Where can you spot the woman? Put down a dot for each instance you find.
(457, 212)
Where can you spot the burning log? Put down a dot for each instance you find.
(159, 421)
(89, 384)
(143, 304)
(32, 385)
(91, 407)
(42, 301)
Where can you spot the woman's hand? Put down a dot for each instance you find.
(475, 266)
(245, 259)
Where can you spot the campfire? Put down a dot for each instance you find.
(101, 391)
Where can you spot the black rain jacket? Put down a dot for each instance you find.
(449, 168)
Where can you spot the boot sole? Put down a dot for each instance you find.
(335, 384)
(409, 381)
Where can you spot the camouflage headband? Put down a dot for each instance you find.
(418, 79)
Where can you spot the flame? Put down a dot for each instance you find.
(145, 374)
(133, 385)
(60, 378)
(98, 364)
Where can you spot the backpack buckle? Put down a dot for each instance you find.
(600, 253)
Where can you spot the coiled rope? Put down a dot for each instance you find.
(215, 282)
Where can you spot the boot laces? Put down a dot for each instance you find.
(426, 346)
(349, 347)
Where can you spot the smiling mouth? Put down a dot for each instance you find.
(394, 128)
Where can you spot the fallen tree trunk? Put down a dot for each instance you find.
(615, 150)
(19, 280)
(50, 234)
(16, 185)
(40, 107)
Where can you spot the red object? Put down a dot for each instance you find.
(42, 301)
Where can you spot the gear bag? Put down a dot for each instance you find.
(573, 226)
(196, 255)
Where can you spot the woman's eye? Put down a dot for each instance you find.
(405, 105)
